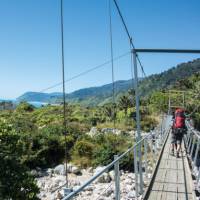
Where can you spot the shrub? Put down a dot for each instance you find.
(25, 107)
(148, 124)
(108, 146)
(47, 150)
(22, 123)
(15, 180)
(83, 152)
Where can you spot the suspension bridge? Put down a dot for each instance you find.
(170, 178)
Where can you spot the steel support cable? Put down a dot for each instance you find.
(132, 73)
(132, 81)
(141, 66)
(112, 63)
(63, 84)
(143, 76)
(86, 72)
(128, 34)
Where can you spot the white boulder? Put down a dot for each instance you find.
(60, 169)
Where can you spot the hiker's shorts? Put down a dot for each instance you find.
(176, 136)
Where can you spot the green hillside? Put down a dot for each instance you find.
(100, 95)
(158, 100)
(88, 96)
(168, 78)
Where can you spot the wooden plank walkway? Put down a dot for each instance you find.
(173, 180)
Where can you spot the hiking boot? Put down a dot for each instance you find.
(172, 153)
(177, 155)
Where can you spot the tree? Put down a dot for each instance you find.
(131, 92)
(110, 110)
(159, 100)
(25, 107)
(15, 180)
(124, 103)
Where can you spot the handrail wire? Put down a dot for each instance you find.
(191, 139)
(147, 192)
(106, 168)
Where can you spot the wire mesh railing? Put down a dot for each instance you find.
(192, 143)
(151, 145)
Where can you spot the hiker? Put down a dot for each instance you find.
(178, 131)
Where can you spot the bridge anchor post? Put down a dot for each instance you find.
(135, 171)
(138, 138)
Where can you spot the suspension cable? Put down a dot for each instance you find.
(132, 76)
(132, 79)
(128, 34)
(141, 66)
(63, 83)
(112, 64)
(84, 72)
(87, 71)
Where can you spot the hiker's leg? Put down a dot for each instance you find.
(173, 142)
(179, 141)
(176, 145)
(178, 148)
(172, 146)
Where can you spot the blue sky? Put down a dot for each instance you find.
(30, 56)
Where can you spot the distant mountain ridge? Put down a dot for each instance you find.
(87, 96)
(38, 96)
(102, 94)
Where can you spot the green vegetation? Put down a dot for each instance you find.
(190, 87)
(99, 150)
(33, 137)
(15, 179)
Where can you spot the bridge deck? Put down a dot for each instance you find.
(173, 179)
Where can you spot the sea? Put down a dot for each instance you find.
(37, 104)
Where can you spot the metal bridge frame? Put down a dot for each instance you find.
(193, 51)
(192, 143)
(160, 51)
(134, 53)
(136, 149)
(149, 50)
(177, 92)
(152, 144)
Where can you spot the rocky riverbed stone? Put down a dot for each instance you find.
(105, 178)
(60, 169)
(51, 186)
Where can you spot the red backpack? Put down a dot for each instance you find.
(179, 121)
